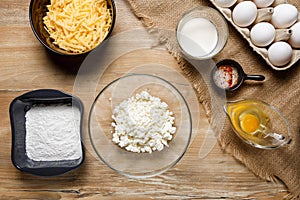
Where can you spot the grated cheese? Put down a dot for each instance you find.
(78, 25)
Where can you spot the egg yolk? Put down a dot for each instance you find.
(249, 123)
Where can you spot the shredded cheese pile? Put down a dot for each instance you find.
(78, 25)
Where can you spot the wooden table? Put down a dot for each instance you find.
(25, 66)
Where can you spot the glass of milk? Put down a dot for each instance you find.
(201, 33)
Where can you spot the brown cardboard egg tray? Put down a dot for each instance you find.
(264, 14)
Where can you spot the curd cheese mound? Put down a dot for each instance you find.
(142, 124)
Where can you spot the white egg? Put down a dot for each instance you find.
(280, 53)
(295, 37)
(284, 15)
(263, 3)
(262, 34)
(225, 3)
(244, 13)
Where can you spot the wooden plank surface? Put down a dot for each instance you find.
(25, 66)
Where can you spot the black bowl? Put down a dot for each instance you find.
(18, 108)
(38, 9)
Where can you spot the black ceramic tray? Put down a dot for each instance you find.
(18, 107)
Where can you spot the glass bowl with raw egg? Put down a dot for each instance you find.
(201, 33)
(140, 125)
(258, 123)
(65, 28)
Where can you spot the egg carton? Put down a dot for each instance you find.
(263, 14)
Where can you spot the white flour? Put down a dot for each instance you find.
(53, 133)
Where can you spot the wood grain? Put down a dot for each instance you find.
(25, 66)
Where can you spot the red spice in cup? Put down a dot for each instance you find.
(226, 76)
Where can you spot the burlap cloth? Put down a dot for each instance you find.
(281, 89)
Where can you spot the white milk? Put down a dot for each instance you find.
(198, 37)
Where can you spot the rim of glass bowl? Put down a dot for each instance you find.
(155, 171)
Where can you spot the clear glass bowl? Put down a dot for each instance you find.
(271, 130)
(138, 165)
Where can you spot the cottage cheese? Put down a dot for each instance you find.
(143, 123)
